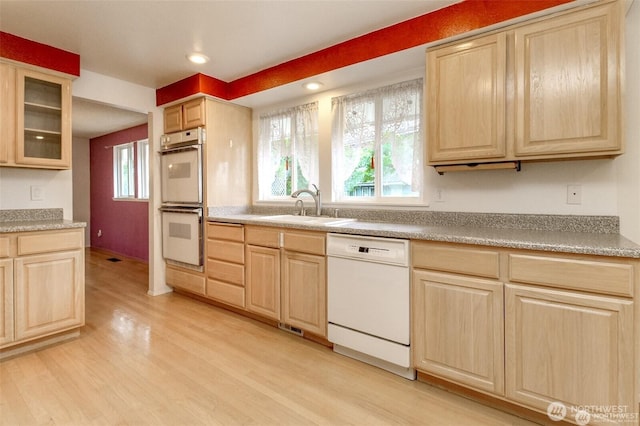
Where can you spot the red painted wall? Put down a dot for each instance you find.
(124, 224)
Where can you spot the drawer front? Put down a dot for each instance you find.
(225, 231)
(313, 243)
(50, 241)
(4, 247)
(225, 293)
(225, 250)
(225, 271)
(264, 237)
(587, 275)
(451, 258)
(185, 280)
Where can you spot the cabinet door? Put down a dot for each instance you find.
(49, 293)
(6, 301)
(263, 281)
(458, 329)
(466, 102)
(193, 114)
(304, 286)
(568, 347)
(173, 119)
(8, 113)
(568, 84)
(43, 136)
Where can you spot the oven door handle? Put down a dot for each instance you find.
(197, 211)
(180, 148)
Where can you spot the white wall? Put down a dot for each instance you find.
(16, 183)
(81, 185)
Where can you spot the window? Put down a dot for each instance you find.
(123, 171)
(126, 183)
(288, 151)
(143, 168)
(377, 144)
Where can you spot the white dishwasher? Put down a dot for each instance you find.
(368, 300)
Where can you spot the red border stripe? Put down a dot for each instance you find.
(42, 55)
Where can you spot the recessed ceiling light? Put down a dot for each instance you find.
(312, 85)
(197, 58)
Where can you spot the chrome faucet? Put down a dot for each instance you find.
(316, 197)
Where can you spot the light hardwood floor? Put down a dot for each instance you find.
(171, 360)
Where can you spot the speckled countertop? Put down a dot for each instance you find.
(35, 220)
(596, 235)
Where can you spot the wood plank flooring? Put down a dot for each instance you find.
(171, 360)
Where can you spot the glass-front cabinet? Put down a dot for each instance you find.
(42, 134)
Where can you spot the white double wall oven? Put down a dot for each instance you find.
(182, 197)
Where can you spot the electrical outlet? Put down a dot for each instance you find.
(574, 194)
(439, 195)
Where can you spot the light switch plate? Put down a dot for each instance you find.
(574, 194)
(37, 193)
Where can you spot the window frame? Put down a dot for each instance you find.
(377, 96)
(119, 172)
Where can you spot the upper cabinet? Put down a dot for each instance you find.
(542, 90)
(36, 119)
(185, 116)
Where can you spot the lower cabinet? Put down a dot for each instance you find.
(49, 290)
(41, 285)
(225, 264)
(304, 292)
(263, 281)
(458, 328)
(286, 277)
(569, 347)
(529, 328)
(6, 301)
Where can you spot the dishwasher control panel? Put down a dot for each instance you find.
(373, 249)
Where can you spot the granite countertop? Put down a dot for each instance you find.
(605, 243)
(35, 220)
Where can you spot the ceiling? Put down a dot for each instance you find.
(145, 42)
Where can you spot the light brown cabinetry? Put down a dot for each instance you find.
(263, 271)
(42, 284)
(6, 301)
(225, 263)
(535, 91)
(286, 277)
(304, 282)
(36, 119)
(458, 319)
(562, 332)
(569, 347)
(184, 116)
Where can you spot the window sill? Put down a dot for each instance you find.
(136, 200)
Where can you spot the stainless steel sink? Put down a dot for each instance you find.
(309, 220)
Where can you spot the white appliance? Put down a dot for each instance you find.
(368, 303)
(182, 198)
(181, 164)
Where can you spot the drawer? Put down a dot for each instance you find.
(265, 237)
(577, 274)
(51, 241)
(225, 231)
(185, 280)
(226, 293)
(453, 258)
(305, 242)
(5, 245)
(225, 250)
(225, 271)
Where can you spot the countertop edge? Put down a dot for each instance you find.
(31, 226)
(612, 245)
